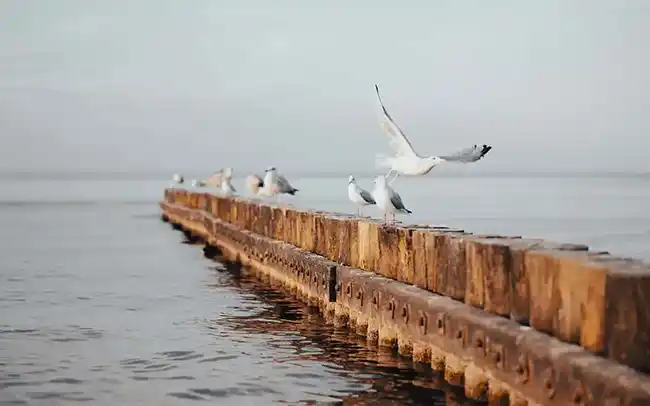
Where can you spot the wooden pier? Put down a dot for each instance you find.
(514, 320)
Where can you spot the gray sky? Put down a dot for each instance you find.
(152, 85)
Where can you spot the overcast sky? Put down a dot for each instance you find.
(154, 85)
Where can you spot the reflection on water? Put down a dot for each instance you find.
(107, 305)
(308, 349)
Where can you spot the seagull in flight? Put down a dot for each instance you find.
(408, 162)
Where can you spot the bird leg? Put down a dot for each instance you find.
(388, 174)
(394, 179)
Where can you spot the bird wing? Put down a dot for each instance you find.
(396, 200)
(215, 179)
(283, 183)
(468, 155)
(398, 140)
(365, 195)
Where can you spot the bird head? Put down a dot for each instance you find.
(433, 160)
(270, 169)
(351, 179)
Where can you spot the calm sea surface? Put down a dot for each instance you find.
(101, 302)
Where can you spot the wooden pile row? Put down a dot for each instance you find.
(596, 300)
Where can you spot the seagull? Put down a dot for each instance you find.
(215, 179)
(227, 189)
(407, 162)
(177, 179)
(388, 200)
(359, 196)
(254, 183)
(275, 184)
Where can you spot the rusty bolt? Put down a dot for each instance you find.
(522, 370)
(405, 313)
(315, 278)
(578, 395)
(548, 383)
(349, 290)
(422, 321)
(459, 334)
(359, 294)
(441, 323)
(496, 357)
(478, 342)
(338, 286)
(375, 300)
(390, 305)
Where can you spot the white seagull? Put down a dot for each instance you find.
(225, 184)
(227, 189)
(177, 179)
(216, 178)
(359, 196)
(276, 184)
(254, 183)
(388, 200)
(407, 161)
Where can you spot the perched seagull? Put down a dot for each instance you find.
(177, 179)
(215, 179)
(225, 184)
(254, 183)
(359, 196)
(227, 189)
(195, 183)
(388, 200)
(407, 161)
(275, 184)
(283, 186)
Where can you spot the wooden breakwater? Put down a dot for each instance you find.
(461, 302)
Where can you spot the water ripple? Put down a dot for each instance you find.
(195, 329)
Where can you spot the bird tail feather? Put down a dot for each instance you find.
(383, 161)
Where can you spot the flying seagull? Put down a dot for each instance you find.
(407, 162)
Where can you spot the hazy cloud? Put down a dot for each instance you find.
(158, 85)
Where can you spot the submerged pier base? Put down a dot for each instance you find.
(447, 298)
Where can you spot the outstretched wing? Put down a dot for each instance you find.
(398, 140)
(468, 155)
